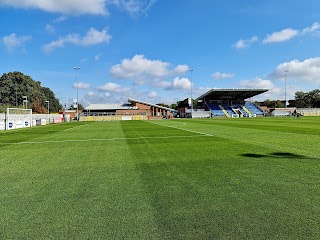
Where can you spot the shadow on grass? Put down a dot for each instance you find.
(275, 154)
(253, 155)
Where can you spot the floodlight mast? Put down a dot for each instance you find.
(285, 88)
(77, 68)
(191, 71)
(48, 105)
(25, 102)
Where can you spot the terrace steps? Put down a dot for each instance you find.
(246, 109)
(224, 111)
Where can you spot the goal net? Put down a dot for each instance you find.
(18, 118)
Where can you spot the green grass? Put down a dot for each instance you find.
(169, 179)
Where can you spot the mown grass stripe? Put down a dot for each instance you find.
(105, 139)
(208, 179)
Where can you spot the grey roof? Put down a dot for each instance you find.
(108, 106)
(221, 93)
(151, 104)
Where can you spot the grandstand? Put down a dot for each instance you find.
(231, 102)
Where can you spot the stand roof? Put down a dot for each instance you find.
(231, 93)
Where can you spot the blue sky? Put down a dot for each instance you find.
(143, 49)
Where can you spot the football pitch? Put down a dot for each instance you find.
(167, 179)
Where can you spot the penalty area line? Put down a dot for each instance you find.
(75, 127)
(102, 139)
(187, 130)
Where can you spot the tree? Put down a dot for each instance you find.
(301, 101)
(54, 104)
(279, 104)
(196, 103)
(80, 107)
(174, 106)
(314, 97)
(15, 85)
(3, 107)
(37, 107)
(267, 103)
(272, 103)
(308, 99)
(163, 105)
(184, 104)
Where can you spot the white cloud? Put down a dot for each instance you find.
(307, 70)
(282, 36)
(72, 7)
(302, 76)
(134, 6)
(13, 41)
(276, 93)
(60, 19)
(276, 37)
(219, 75)
(112, 87)
(153, 95)
(201, 90)
(181, 83)
(149, 5)
(90, 94)
(92, 37)
(163, 84)
(81, 85)
(273, 93)
(97, 57)
(256, 83)
(245, 43)
(76, 7)
(105, 97)
(50, 29)
(140, 66)
(313, 28)
(180, 70)
(176, 84)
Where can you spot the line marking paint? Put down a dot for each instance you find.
(103, 139)
(75, 127)
(187, 130)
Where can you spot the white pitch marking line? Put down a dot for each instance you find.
(75, 127)
(102, 139)
(205, 134)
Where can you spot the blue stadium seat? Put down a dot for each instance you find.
(215, 109)
(253, 108)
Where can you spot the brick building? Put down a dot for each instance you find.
(133, 107)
